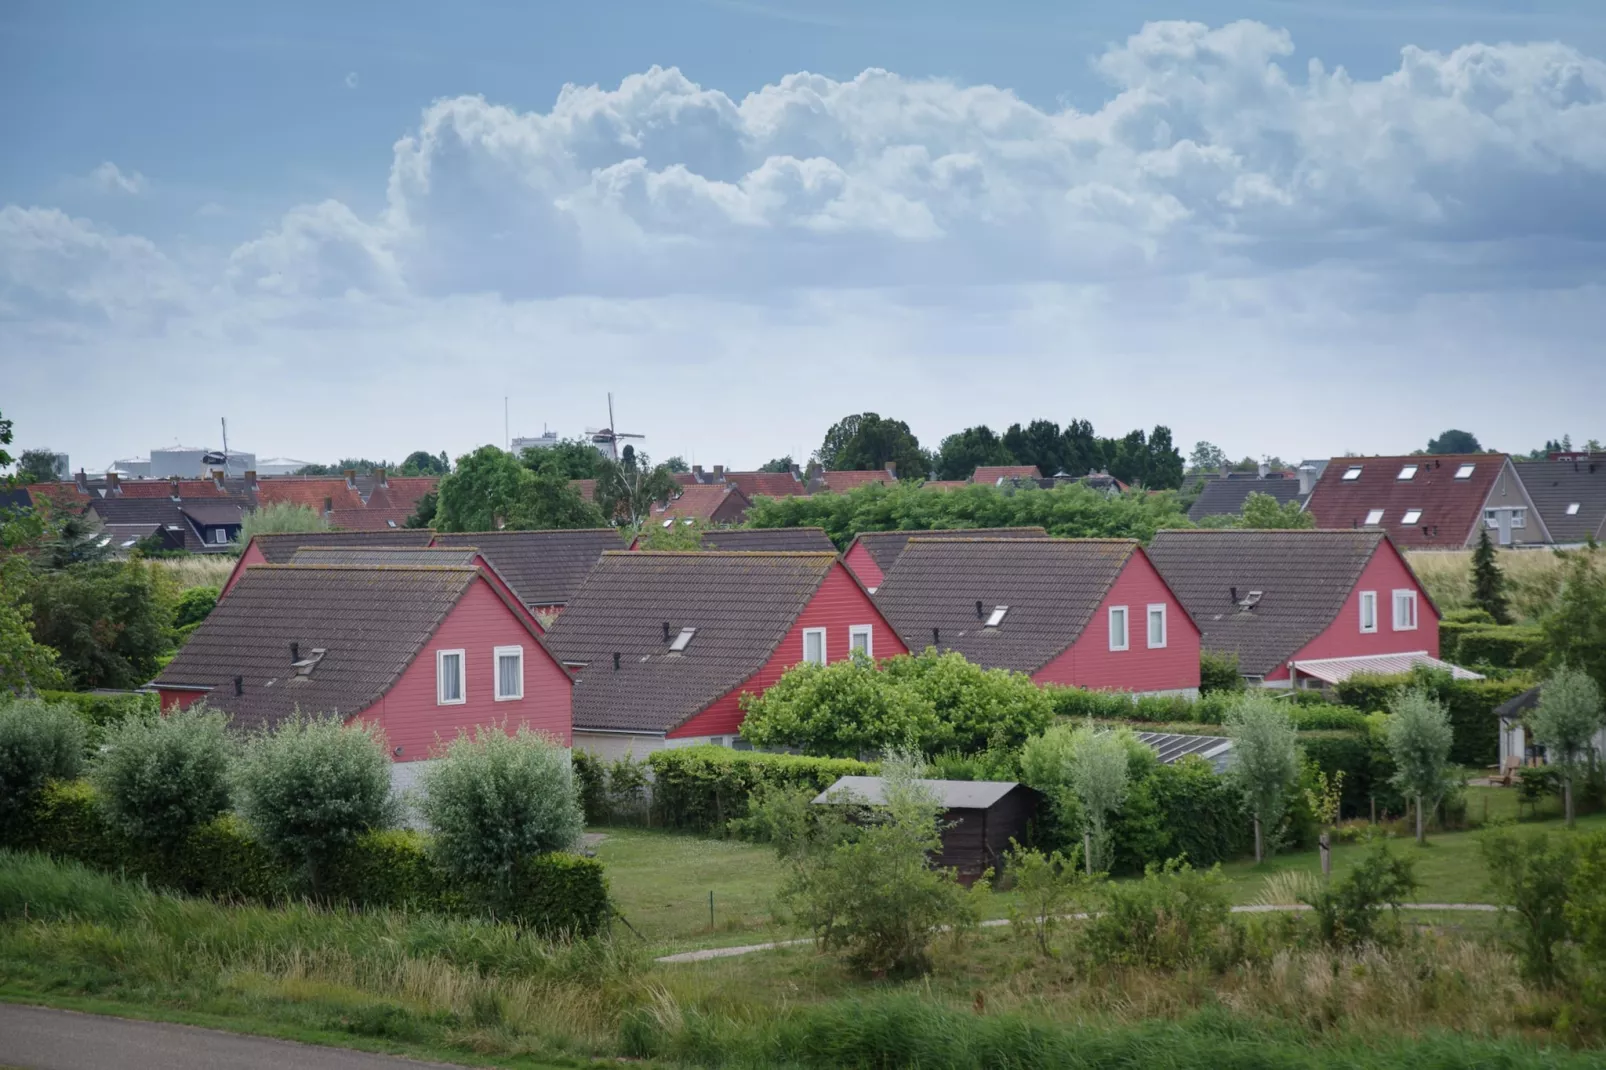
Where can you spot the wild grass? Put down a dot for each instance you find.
(1533, 578)
(196, 570)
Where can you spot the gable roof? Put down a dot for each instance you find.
(742, 605)
(214, 513)
(1051, 586)
(767, 484)
(797, 539)
(454, 556)
(1304, 578)
(310, 492)
(1555, 486)
(706, 501)
(944, 484)
(371, 622)
(885, 546)
(278, 549)
(1226, 497)
(992, 473)
(842, 481)
(124, 514)
(544, 568)
(1450, 507)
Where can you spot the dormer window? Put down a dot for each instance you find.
(1411, 516)
(1408, 472)
(1465, 471)
(682, 640)
(1374, 518)
(1353, 473)
(997, 616)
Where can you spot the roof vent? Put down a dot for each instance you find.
(1233, 595)
(295, 653)
(980, 613)
(936, 637)
(666, 631)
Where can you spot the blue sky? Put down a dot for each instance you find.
(1292, 227)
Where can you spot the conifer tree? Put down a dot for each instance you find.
(1488, 582)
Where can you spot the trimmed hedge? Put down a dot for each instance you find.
(1310, 717)
(1504, 646)
(1179, 809)
(706, 787)
(1075, 703)
(1470, 703)
(1365, 766)
(563, 893)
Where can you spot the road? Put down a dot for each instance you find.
(37, 1038)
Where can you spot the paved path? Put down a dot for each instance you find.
(708, 953)
(38, 1038)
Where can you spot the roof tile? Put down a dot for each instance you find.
(544, 568)
(1450, 507)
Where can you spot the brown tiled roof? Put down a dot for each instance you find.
(1556, 486)
(767, 484)
(279, 549)
(794, 539)
(371, 622)
(57, 495)
(885, 546)
(707, 502)
(843, 481)
(401, 492)
(742, 605)
(187, 488)
(1304, 578)
(312, 493)
(369, 518)
(944, 484)
(586, 488)
(454, 556)
(544, 568)
(1451, 507)
(992, 473)
(1051, 586)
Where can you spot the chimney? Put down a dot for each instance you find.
(172, 482)
(615, 662)
(113, 484)
(251, 480)
(719, 473)
(892, 469)
(379, 477)
(1307, 479)
(239, 685)
(328, 506)
(979, 613)
(295, 653)
(697, 472)
(1234, 596)
(936, 637)
(797, 473)
(1262, 470)
(217, 478)
(351, 478)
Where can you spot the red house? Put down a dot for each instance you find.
(665, 644)
(1302, 607)
(278, 549)
(429, 556)
(1084, 612)
(872, 554)
(423, 652)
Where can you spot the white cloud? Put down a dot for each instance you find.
(109, 178)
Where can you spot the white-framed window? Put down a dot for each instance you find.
(1405, 611)
(1352, 473)
(1572, 508)
(1519, 517)
(1368, 611)
(1411, 516)
(1118, 637)
(996, 617)
(1373, 517)
(814, 646)
(861, 640)
(1465, 471)
(449, 687)
(220, 536)
(1157, 626)
(1407, 472)
(509, 665)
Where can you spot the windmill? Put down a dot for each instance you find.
(606, 439)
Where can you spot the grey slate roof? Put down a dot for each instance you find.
(544, 568)
(885, 546)
(459, 556)
(371, 622)
(1304, 578)
(1556, 485)
(951, 794)
(1051, 586)
(742, 605)
(279, 549)
(800, 539)
(124, 513)
(1226, 497)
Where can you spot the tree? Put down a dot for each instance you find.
(1575, 629)
(159, 780)
(977, 708)
(74, 540)
(1419, 740)
(1129, 458)
(1081, 450)
(423, 511)
(423, 463)
(1265, 760)
(1098, 778)
(25, 664)
(1565, 722)
(783, 463)
(495, 801)
(570, 458)
(37, 466)
(109, 622)
(1454, 441)
(1531, 875)
(486, 491)
(39, 742)
(874, 443)
(677, 464)
(312, 786)
(1207, 457)
(1263, 511)
(628, 491)
(6, 459)
(1039, 443)
(552, 502)
(671, 533)
(1164, 465)
(278, 518)
(962, 453)
(1488, 582)
(839, 710)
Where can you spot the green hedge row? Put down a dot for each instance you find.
(706, 787)
(563, 893)
(1470, 703)
(1500, 646)
(100, 712)
(1075, 703)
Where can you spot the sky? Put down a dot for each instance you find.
(1291, 227)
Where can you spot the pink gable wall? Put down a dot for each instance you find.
(251, 556)
(507, 592)
(839, 604)
(478, 624)
(863, 565)
(1343, 638)
(1091, 663)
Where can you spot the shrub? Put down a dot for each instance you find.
(102, 712)
(1469, 615)
(109, 621)
(311, 787)
(1199, 817)
(1309, 717)
(591, 782)
(706, 787)
(1176, 915)
(1531, 876)
(493, 801)
(977, 708)
(1503, 646)
(194, 605)
(1046, 888)
(1219, 672)
(1565, 722)
(839, 710)
(160, 780)
(627, 789)
(1347, 911)
(39, 742)
(1470, 703)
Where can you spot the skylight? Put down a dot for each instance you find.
(997, 617)
(1408, 472)
(681, 640)
(1465, 471)
(1411, 516)
(1353, 473)
(1572, 508)
(1374, 517)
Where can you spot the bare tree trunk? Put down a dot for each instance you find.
(1421, 832)
(1260, 847)
(1087, 850)
(1567, 798)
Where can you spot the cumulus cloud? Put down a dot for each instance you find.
(109, 178)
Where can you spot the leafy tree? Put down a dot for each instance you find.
(24, 663)
(6, 460)
(493, 802)
(423, 511)
(1098, 778)
(1129, 458)
(423, 463)
(672, 533)
(1264, 511)
(39, 742)
(839, 710)
(1419, 739)
(489, 491)
(677, 464)
(37, 466)
(1575, 629)
(109, 622)
(1454, 441)
(867, 441)
(161, 779)
(1207, 457)
(629, 490)
(1038, 443)
(553, 503)
(277, 518)
(976, 708)
(569, 458)
(1265, 760)
(780, 464)
(1164, 465)
(1488, 582)
(962, 453)
(1081, 450)
(74, 540)
(311, 787)
(1565, 722)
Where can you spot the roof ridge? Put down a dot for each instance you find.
(530, 531)
(305, 566)
(719, 553)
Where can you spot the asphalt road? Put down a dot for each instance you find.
(37, 1038)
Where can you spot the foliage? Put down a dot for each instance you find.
(1531, 876)
(489, 490)
(493, 801)
(1499, 646)
(569, 458)
(976, 708)
(1264, 511)
(867, 441)
(778, 464)
(423, 515)
(194, 605)
(161, 779)
(1470, 704)
(962, 453)
(37, 466)
(706, 787)
(424, 463)
(1454, 441)
(25, 663)
(39, 742)
(6, 459)
(73, 540)
(1488, 582)
(1575, 630)
(1076, 703)
(628, 489)
(1565, 722)
(1046, 888)
(1265, 760)
(1176, 915)
(311, 787)
(277, 518)
(1181, 810)
(1419, 741)
(1207, 457)
(108, 622)
(1347, 911)
(1219, 673)
(672, 533)
(1096, 775)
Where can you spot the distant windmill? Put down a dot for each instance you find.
(607, 439)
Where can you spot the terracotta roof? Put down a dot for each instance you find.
(187, 488)
(1226, 497)
(1559, 486)
(885, 546)
(370, 621)
(767, 484)
(944, 484)
(312, 493)
(278, 549)
(544, 568)
(795, 539)
(1450, 507)
(841, 482)
(992, 473)
(455, 556)
(1051, 586)
(58, 495)
(369, 518)
(742, 605)
(586, 488)
(707, 502)
(402, 492)
(1304, 579)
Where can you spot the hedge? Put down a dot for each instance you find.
(100, 712)
(1075, 703)
(1365, 765)
(1180, 809)
(1504, 646)
(564, 893)
(1310, 717)
(705, 787)
(1470, 703)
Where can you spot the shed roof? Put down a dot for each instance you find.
(279, 548)
(951, 794)
(1448, 504)
(544, 568)
(1570, 496)
(885, 546)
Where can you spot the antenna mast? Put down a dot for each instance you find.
(225, 421)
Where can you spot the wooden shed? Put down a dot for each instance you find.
(979, 817)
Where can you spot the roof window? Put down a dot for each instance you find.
(1407, 472)
(682, 640)
(1572, 508)
(997, 616)
(1374, 517)
(1353, 473)
(1411, 516)
(1465, 471)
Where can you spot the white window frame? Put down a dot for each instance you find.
(1374, 517)
(462, 678)
(865, 630)
(1407, 473)
(825, 656)
(1404, 598)
(1465, 471)
(497, 655)
(1519, 516)
(1148, 620)
(1368, 610)
(221, 536)
(1572, 508)
(1412, 516)
(1352, 473)
(1126, 624)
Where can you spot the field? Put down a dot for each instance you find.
(1533, 578)
(197, 570)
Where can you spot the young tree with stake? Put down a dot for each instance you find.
(1568, 717)
(1265, 757)
(1098, 779)
(1419, 738)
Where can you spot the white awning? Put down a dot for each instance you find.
(1337, 670)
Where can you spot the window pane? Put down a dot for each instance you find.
(509, 683)
(859, 642)
(1156, 627)
(451, 677)
(814, 648)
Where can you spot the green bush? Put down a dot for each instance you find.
(1183, 810)
(39, 742)
(1348, 910)
(707, 787)
(1468, 615)
(101, 712)
(1503, 646)
(1354, 755)
(160, 780)
(591, 781)
(1219, 672)
(1308, 717)
(194, 605)
(1450, 633)
(1531, 875)
(1173, 917)
(1470, 703)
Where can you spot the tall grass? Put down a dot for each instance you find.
(197, 570)
(1533, 578)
